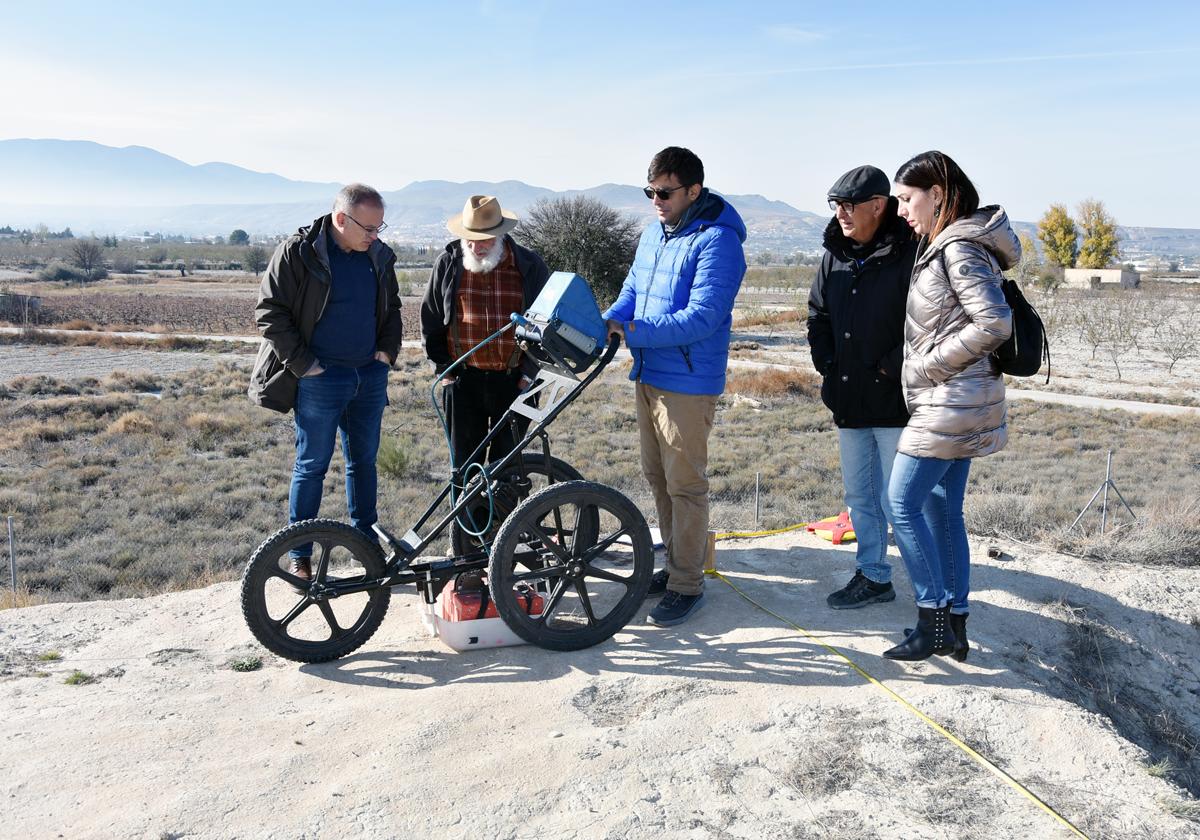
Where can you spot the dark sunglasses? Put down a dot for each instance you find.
(660, 193)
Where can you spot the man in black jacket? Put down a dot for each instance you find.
(476, 284)
(329, 313)
(856, 335)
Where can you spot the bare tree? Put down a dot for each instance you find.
(1092, 322)
(88, 256)
(1178, 335)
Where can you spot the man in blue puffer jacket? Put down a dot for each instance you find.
(674, 312)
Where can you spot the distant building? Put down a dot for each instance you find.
(1092, 278)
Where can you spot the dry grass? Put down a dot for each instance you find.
(763, 317)
(1184, 809)
(130, 423)
(1101, 666)
(23, 597)
(86, 338)
(181, 489)
(773, 382)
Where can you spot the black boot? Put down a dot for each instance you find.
(931, 635)
(958, 623)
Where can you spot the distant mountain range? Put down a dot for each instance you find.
(90, 187)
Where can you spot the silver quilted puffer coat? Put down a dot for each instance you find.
(956, 316)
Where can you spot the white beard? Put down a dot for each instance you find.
(482, 266)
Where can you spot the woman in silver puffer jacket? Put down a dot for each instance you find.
(956, 316)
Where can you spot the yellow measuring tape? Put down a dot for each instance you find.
(933, 724)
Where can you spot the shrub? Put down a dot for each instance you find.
(774, 382)
(124, 265)
(132, 423)
(395, 459)
(245, 663)
(61, 272)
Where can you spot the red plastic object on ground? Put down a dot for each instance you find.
(836, 529)
(471, 603)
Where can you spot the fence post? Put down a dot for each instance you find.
(12, 558)
(757, 477)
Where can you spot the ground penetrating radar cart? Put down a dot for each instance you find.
(567, 561)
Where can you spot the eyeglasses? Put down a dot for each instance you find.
(375, 230)
(661, 193)
(847, 207)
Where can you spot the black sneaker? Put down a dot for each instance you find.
(859, 592)
(674, 608)
(658, 583)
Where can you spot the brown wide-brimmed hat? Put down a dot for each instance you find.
(482, 218)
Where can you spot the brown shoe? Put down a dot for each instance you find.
(301, 567)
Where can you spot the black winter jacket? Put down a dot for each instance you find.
(437, 310)
(291, 299)
(856, 323)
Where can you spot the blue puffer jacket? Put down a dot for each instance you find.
(677, 302)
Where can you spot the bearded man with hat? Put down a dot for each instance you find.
(856, 336)
(477, 282)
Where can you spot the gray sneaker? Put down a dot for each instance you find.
(860, 592)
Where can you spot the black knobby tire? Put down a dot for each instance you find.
(590, 582)
(532, 465)
(277, 606)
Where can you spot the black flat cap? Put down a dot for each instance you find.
(861, 183)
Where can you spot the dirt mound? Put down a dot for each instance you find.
(152, 717)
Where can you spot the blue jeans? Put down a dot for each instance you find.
(926, 496)
(352, 400)
(867, 456)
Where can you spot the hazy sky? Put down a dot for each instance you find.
(1039, 102)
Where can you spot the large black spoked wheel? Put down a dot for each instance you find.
(304, 620)
(512, 486)
(588, 581)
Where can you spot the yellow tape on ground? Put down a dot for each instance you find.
(933, 724)
(733, 535)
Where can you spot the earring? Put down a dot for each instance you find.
(937, 210)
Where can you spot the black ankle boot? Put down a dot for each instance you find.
(958, 623)
(931, 635)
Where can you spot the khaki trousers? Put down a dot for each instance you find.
(674, 430)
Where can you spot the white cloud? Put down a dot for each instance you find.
(792, 34)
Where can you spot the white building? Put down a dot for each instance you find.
(1091, 278)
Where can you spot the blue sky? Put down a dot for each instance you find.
(1039, 102)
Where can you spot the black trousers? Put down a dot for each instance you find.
(474, 403)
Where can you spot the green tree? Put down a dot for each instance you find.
(583, 235)
(1059, 237)
(239, 237)
(1100, 248)
(256, 259)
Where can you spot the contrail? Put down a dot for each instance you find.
(960, 62)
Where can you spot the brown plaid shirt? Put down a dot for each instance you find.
(483, 305)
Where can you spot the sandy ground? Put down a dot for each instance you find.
(733, 725)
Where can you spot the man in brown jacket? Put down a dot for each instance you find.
(329, 313)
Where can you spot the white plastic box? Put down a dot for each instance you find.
(470, 634)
